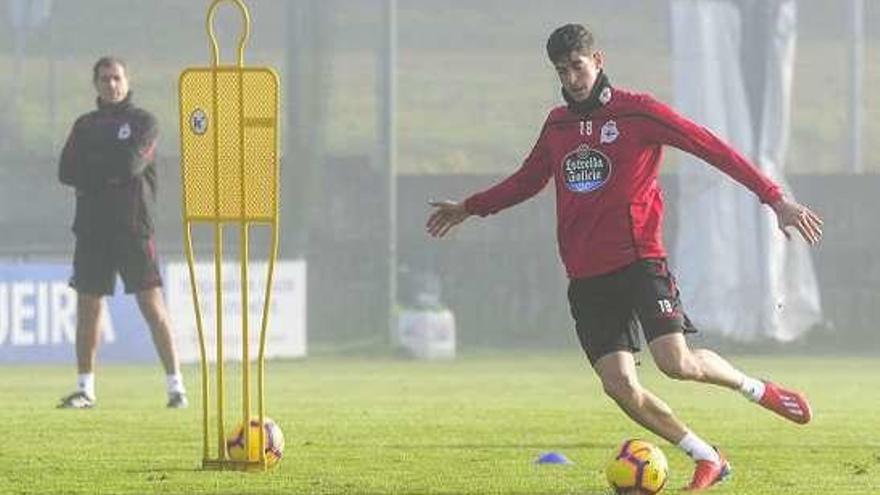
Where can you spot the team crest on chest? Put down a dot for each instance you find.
(609, 132)
(124, 132)
(585, 169)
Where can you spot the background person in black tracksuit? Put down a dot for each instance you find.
(109, 160)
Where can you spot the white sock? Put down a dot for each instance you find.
(752, 389)
(85, 382)
(698, 449)
(175, 383)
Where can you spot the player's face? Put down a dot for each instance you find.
(578, 73)
(112, 83)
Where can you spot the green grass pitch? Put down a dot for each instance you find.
(470, 426)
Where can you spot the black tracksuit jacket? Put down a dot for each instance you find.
(109, 159)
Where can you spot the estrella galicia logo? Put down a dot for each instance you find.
(199, 121)
(585, 169)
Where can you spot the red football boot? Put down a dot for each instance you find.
(708, 473)
(789, 404)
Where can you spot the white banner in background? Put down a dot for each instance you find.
(29, 13)
(286, 333)
(733, 68)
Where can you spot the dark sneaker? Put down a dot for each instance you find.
(789, 404)
(177, 400)
(708, 473)
(77, 400)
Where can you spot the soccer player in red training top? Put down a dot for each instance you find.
(603, 150)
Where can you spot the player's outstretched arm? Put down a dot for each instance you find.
(792, 214)
(446, 214)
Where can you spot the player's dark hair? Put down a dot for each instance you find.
(567, 39)
(107, 61)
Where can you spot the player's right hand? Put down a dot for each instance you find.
(447, 214)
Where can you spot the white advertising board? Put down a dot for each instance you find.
(286, 333)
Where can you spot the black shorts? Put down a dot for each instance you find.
(609, 309)
(97, 260)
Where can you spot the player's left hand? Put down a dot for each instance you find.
(792, 214)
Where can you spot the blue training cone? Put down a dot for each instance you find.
(553, 458)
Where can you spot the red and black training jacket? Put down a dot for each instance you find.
(604, 157)
(109, 159)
